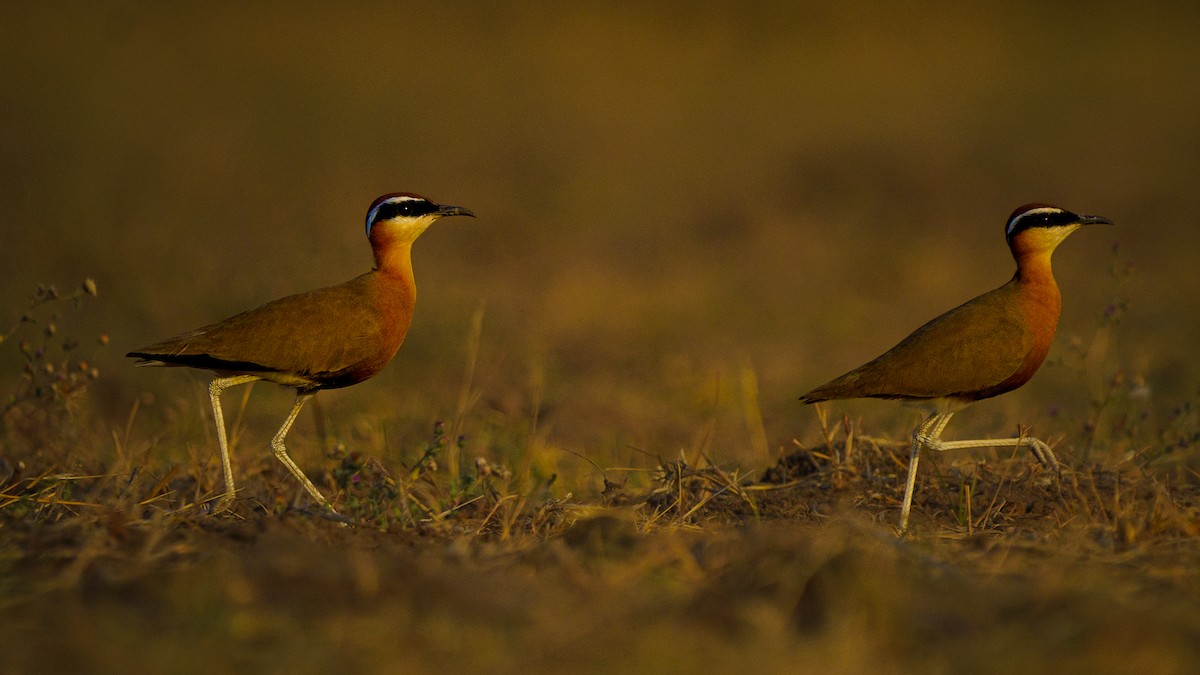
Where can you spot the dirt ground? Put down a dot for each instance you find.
(799, 568)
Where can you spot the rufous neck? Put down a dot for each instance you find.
(1035, 267)
(393, 255)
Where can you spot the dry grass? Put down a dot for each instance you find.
(707, 567)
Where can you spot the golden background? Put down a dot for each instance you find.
(684, 208)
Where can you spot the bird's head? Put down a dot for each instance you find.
(1040, 228)
(403, 216)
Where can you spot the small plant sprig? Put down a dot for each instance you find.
(54, 370)
(428, 460)
(1096, 359)
(374, 497)
(368, 490)
(1181, 433)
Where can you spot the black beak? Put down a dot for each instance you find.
(1094, 220)
(447, 210)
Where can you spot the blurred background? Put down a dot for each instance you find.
(689, 212)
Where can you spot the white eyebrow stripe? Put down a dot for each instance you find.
(1040, 210)
(371, 216)
(389, 200)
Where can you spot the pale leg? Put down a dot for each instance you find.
(929, 435)
(214, 392)
(281, 452)
(921, 435)
(1040, 450)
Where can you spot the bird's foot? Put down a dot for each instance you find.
(929, 441)
(220, 504)
(328, 513)
(1043, 454)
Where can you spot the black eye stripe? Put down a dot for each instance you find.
(1043, 219)
(1027, 221)
(408, 208)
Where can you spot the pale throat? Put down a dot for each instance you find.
(392, 245)
(1034, 251)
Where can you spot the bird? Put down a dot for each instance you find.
(326, 338)
(985, 347)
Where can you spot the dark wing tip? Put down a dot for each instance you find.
(814, 396)
(202, 361)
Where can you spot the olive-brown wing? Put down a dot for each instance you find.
(969, 349)
(312, 338)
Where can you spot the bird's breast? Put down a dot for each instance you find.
(395, 301)
(390, 302)
(1040, 304)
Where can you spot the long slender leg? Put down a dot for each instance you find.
(925, 431)
(281, 451)
(929, 434)
(214, 392)
(1040, 450)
